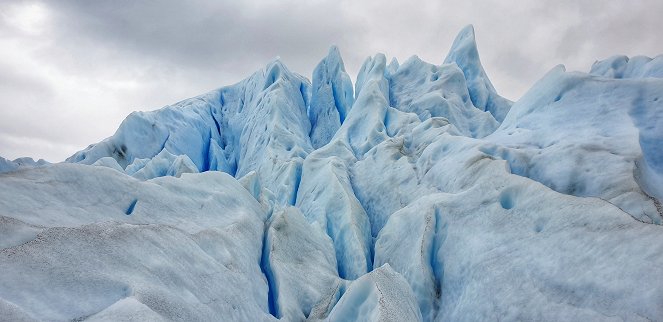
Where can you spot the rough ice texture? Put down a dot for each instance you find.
(381, 295)
(422, 196)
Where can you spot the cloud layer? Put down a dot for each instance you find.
(71, 71)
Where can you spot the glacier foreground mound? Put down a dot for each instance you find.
(419, 194)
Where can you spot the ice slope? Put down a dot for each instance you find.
(81, 241)
(423, 196)
(572, 129)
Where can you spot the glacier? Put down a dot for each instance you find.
(418, 193)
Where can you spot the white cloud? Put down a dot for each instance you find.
(28, 17)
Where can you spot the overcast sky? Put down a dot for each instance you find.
(70, 71)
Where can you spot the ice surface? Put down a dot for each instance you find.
(589, 136)
(127, 309)
(422, 196)
(90, 238)
(381, 295)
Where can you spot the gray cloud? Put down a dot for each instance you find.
(70, 71)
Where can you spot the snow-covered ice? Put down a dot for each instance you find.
(418, 193)
(81, 241)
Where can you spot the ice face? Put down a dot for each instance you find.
(423, 196)
(300, 263)
(331, 99)
(438, 91)
(327, 199)
(464, 53)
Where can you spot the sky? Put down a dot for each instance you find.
(70, 71)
